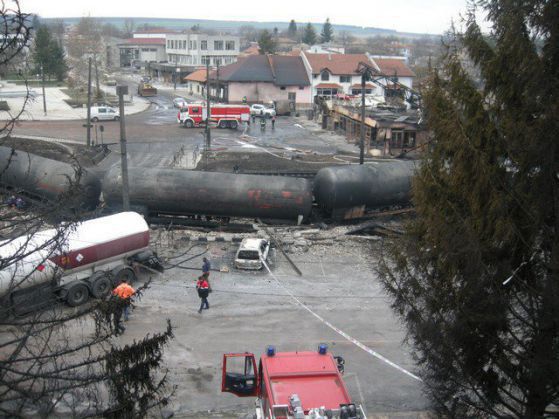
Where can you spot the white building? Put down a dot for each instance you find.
(326, 49)
(336, 74)
(198, 49)
(332, 75)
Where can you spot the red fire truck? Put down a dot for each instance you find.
(225, 116)
(291, 385)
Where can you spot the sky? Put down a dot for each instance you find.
(419, 16)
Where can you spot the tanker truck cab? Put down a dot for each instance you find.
(291, 385)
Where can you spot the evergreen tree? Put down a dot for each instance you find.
(309, 34)
(41, 50)
(292, 29)
(59, 66)
(476, 275)
(266, 43)
(327, 34)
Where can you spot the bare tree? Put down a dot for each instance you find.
(86, 41)
(55, 359)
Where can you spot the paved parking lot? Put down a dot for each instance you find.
(250, 310)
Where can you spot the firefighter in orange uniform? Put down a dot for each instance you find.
(123, 294)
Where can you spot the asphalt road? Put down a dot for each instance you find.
(251, 310)
(154, 137)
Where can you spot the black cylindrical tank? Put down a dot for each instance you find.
(49, 179)
(176, 191)
(340, 189)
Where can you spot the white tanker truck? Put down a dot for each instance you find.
(71, 264)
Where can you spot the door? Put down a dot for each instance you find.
(102, 113)
(239, 375)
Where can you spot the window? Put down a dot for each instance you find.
(204, 45)
(205, 59)
(169, 44)
(218, 45)
(291, 96)
(230, 45)
(217, 61)
(345, 79)
(189, 44)
(324, 76)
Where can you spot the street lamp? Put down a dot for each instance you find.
(177, 74)
(44, 97)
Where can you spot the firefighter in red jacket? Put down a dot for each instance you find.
(203, 291)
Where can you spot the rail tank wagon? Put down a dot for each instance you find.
(48, 179)
(344, 192)
(186, 192)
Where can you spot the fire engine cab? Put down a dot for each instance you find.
(225, 116)
(291, 385)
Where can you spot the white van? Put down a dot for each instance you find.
(104, 113)
(251, 253)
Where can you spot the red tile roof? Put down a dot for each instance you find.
(199, 75)
(367, 86)
(254, 49)
(336, 63)
(145, 41)
(391, 67)
(328, 86)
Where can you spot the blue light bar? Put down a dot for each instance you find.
(322, 349)
(271, 351)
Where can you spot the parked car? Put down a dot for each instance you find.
(104, 113)
(111, 82)
(258, 109)
(251, 253)
(179, 102)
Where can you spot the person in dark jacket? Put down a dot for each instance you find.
(206, 266)
(203, 289)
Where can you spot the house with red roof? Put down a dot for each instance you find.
(333, 75)
(336, 74)
(394, 68)
(264, 79)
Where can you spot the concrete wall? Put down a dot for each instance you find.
(268, 92)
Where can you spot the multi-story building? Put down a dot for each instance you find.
(199, 49)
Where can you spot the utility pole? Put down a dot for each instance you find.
(362, 142)
(121, 91)
(217, 89)
(88, 122)
(44, 96)
(208, 112)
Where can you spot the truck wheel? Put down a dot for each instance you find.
(123, 273)
(117, 118)
(188, 123)
(233, 124)
(220, 125)
(78, 294)
(95, 119)
(100, 285)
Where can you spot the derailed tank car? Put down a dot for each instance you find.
(48, 179)
(345, 192)
(186, 192)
